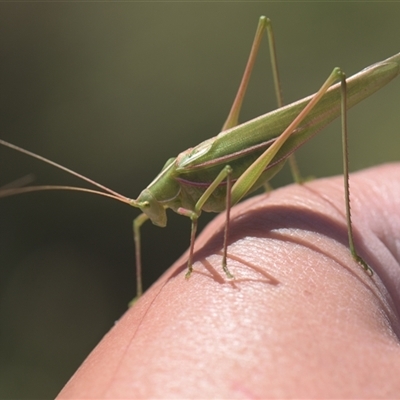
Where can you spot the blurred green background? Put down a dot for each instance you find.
(112, 90)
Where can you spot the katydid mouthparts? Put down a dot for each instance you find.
(216, 174)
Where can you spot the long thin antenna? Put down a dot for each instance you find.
(70, 171)
(20, 182)
(28, 189)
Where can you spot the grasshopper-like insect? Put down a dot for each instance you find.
(219, 172)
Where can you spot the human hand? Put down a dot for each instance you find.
(300, 319)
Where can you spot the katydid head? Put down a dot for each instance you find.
(151, 207)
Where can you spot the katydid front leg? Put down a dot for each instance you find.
(137, 224)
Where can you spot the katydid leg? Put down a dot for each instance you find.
(227, 221)
(137, 223)
(352, 247)
(279, 97)
(195, 214)
(245, 182)
(233, 117)
(250, 176)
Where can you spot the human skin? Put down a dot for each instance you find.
(300, 319)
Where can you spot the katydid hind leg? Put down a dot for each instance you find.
(294, 168)
(233, 117)
(243, 185)
(232, 121)
(246, 181)
(345, 150)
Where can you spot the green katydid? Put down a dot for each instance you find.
(219, 172)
